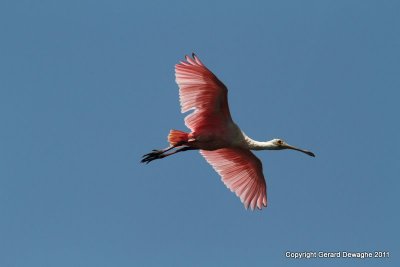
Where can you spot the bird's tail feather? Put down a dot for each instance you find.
(177, 137)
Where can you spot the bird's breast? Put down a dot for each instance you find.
(212, 139)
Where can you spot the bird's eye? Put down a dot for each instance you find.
(280, 142)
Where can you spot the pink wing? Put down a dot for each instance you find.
(241, 172)
(200, 89)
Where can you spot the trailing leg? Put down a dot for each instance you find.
(155, 154)
(159, 154)
(176, 139)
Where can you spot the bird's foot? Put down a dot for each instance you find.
(155, 154)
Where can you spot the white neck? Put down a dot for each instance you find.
(257, 145)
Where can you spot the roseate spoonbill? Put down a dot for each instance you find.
(216, 135)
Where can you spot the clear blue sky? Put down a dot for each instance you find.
(87, 87)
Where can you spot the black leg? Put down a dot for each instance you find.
(159, 154)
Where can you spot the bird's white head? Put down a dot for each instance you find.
(279, 144)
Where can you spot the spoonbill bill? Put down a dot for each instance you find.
(220, 141)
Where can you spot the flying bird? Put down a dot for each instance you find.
(218, 138)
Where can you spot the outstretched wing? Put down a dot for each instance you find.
(241, 172)
(200, 89)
